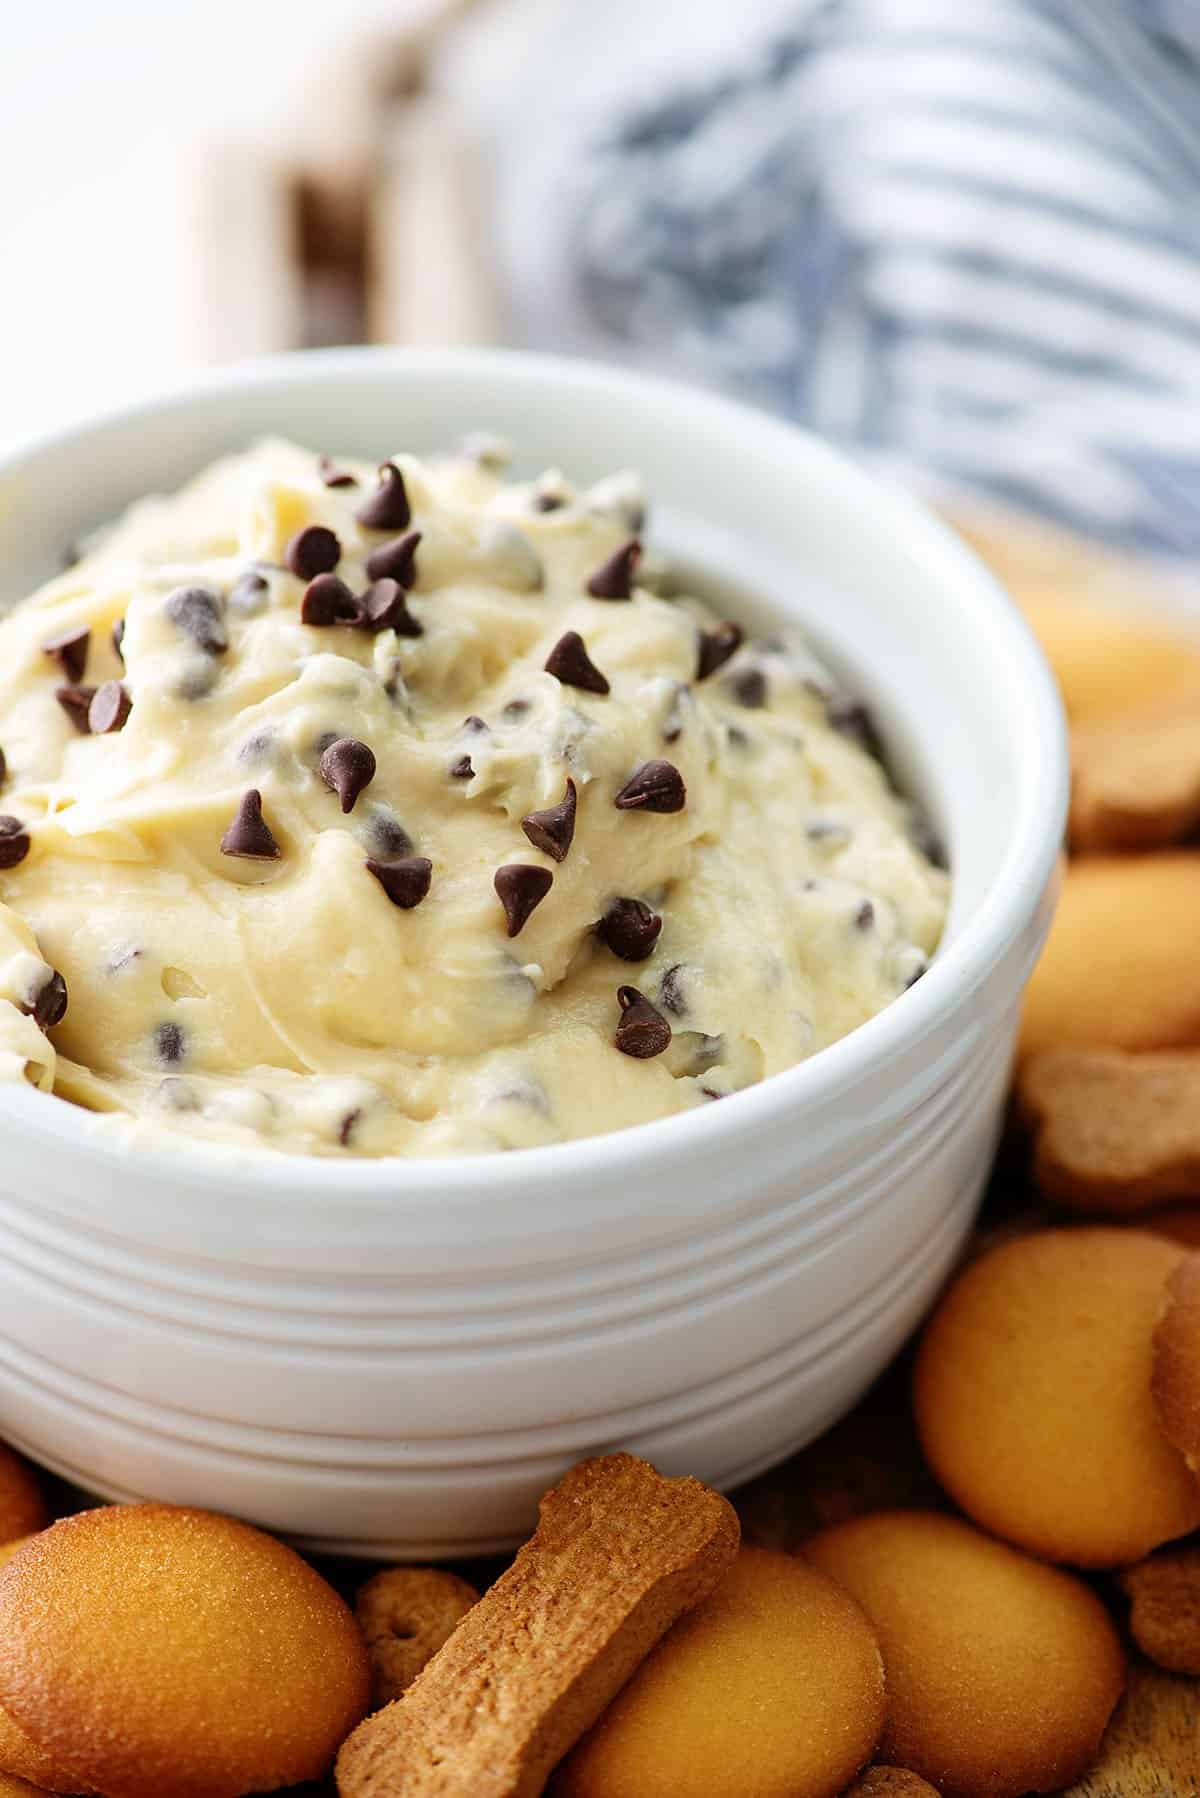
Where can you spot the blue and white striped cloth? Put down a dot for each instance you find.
(964, 234)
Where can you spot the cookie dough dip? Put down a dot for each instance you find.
(395, 811)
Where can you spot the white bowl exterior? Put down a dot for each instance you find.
(396, 1358)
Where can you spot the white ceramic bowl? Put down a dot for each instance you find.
(395, 1358)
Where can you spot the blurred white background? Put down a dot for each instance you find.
(110, 114)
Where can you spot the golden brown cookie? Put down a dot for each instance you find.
(1001, 1672)
(11, 1787)
(1113, 1132)
(619, 1553)
(1135, 779)
(1111, 646)
(1164, 1608)
(22, 1508)
(774, 1685)
(1177, 1361)
(22, 1759)
(150, 1649)
(891, 1782)
(9, 1549)
(1033, 1402)
(406, 1614)
(1115, 972)
(1151, 1748)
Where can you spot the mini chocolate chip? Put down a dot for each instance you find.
(249, 593)
(70, 651)
(385, 608)
(327, 601)
(110, 707)
(118, 638)
(333, 476)
(347, 768)
(630, 929)
(927, 841)
(614, 578)
(553, 830)
(657, 786)
(50, 1006)
(642, 1031)
(671, 993)
(864, 917)
(312, 551)
(475, 724)
(14, 842)
(462, 769)
(392, 842)
(396, 560)
(851, 718)
(516, 708)
(249, 835)
(168, 1043)
(749, 688)
(197, 612)
(716, 647)
(387, 509)
(570, 663)
(548, 501)
(346, 1127)
(405, 881)
(521, 888)
(75, 702)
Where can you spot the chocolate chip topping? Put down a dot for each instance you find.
(14, 842)
(475, 724)
(118, 638)
(197, 612)
(614, 578)
(405, 881)
(110, 707)
(657, 786)
(168, 1043)
(521, 888)
(716, 647)
(671, 993)
(570, 663)
(387, 509)
(630, 929)
(385, 608)
(462, 769)
(388, 836)
(347, 768)
(851, 718)
(642, 1031)
(312, 551)
(749, 688)
(864, 917)
(327, 601)
(333, 476)
(395, 560)
(75, 702)
(249, 835)
(248, 593)
(70, 651)
(553, 830)
(50, 1006)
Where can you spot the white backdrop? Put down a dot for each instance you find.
(102, 102)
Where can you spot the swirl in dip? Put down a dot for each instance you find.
(394, 812)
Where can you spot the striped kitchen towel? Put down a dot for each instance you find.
(961, 234)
